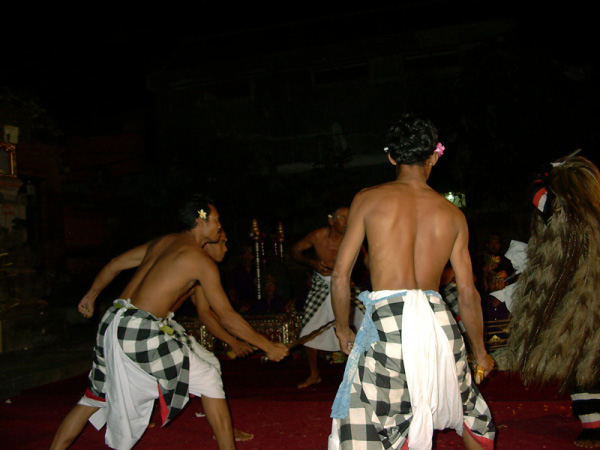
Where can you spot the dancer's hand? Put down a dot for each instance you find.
(241, 348)
(346, 338)
(277, 352)
(86, 307)
(485, 364)
(322, 268)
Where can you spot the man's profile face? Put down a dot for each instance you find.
(339, 220)
(217, 250)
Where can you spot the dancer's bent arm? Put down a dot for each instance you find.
(340, 281)
(211, 321)
(209, 278)
(128, 260)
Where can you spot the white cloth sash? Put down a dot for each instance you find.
(327, 340)
(129, 396)
(430, 372)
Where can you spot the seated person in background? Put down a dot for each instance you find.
(242, 281)
(492, 308)
(491, 260)
(272, 302)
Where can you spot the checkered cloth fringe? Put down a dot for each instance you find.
(380, 409)
(586, 407)
(158, 346)
(319, 290)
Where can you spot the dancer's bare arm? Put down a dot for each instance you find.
(128, 260)
(469, 301)
(208, 318)
(340, 282)
(208, 275)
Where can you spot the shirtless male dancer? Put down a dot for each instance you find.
(142, 354)
(407, 373)
(317, 311)
(217, 250)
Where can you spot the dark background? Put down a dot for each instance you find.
(279, 111)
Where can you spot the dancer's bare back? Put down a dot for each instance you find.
(412, 232)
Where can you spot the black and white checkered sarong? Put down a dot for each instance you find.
(158, 346)
(380, 409)
(319, 290)
(450, 295)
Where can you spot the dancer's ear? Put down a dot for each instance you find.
(392, 159)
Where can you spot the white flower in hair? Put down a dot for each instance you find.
(202, 214)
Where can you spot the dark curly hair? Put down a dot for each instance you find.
(188, 213)
(411, 140)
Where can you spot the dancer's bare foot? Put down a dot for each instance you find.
(588, 439)
(312, 379)
(240, 435)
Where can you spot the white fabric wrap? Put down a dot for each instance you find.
(130, 396)
(333, 441)
(131, 392)
(517, 254)
(430, 373)
(505, 295)
(327, 340)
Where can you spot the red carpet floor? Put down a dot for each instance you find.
(265, 401)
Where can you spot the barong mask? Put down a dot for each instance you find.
(543, 197)
(553, 332)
